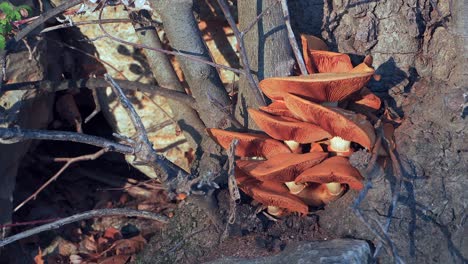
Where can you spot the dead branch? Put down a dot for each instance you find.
(232, 186)
(94, 83)
(244, 59)
(46, 16)
(89, 22)
(83, 216)
(169, 173)
(292, 38)
(69, 161)
(61, 43)
(13, 135)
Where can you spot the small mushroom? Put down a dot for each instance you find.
(316, 194)
(333, 170)
(327, 61)
(347, 125)
(282, 167)
(286, 128)
(275, 195)
(250, 145)
(366, 101)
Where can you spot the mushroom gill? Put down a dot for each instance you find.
(271, 194)
(338, 122)
(334, 169)
(250, 145)
(284, 128)
(282, 167)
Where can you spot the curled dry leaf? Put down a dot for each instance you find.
(129, 246)
(117, 259)
(38, 259)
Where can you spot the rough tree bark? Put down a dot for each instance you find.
(268, 49)
(419, 48)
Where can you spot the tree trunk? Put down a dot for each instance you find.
(419, 49)
(268, 49)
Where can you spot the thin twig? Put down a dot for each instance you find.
(83, 216)
(89, 55)
(383, 237)
(243, 53)
(35, 222)
(175, 53)
(89, 22)
(46, 16)
(69, 161)
(292, 38)
(13, 135)
(145, 152)
(136, 120)
(398, 173)
(93, 83)
(232, 185)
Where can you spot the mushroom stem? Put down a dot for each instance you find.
(293, 145)
(334, 188)
(295, 188)
(340, 146)
(274, 210)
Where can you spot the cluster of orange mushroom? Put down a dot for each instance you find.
(302, 161)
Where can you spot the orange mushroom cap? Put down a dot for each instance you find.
(278, 108)
(250, 145)
(367, 100)
(338, 122)
(284, 128)
(334, 169)
(310, 42)
(270, 193)
(282, 167)
(327, 61)
(320, 87)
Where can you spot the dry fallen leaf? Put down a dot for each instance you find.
(129, 246)
(38, 258)
(112, 233)
(118, 259)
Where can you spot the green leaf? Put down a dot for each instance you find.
(6, 7)
(16, 15)
(2, 42)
